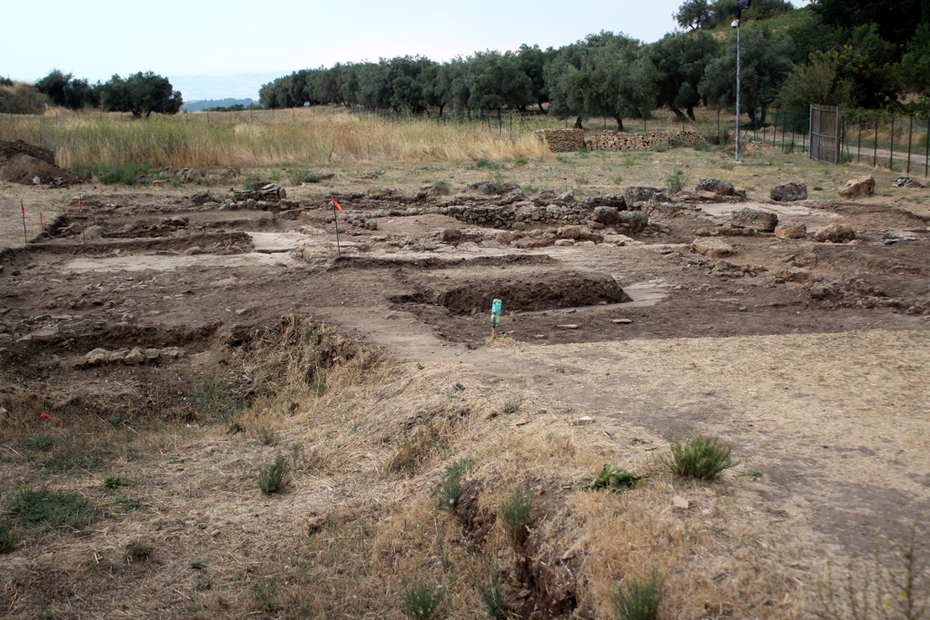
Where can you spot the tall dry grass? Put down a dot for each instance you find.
(262, 139)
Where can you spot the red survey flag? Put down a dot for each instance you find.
(80, 207)
(24, 208)
(338, 206)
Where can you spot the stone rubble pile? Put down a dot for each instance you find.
(562, 140)
(624, 141)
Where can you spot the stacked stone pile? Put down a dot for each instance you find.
(623, 141)
(689, 138)
(562, 140)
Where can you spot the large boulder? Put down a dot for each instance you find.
(635, 220)
(608, 216)
(860, 186)
(712, 248)
(789, 192)
(638, 194)
(762, 221)
(835, 233)
(716, 186)
(790, 231)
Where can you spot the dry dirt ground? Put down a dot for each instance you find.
(810, 358)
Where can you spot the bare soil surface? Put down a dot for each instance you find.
(639, 335)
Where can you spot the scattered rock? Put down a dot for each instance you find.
(790, 231)
(680, 502)
(638, 194)
(760, 220)
(835, 233)
(903, 181)
(450, 235)
(621, 321)
(712, 248)
(134, 357)
(860, 186)
(789, 192)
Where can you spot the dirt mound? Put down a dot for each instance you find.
(23, 163)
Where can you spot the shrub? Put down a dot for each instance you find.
(265, 434)
(299, 177)
(419, 601)
(521, 161)
(638, 599)
(492, 597)
(443, 187)
(487, 163)
(7, 538)
(614, 479)
(274, 477)
(515, 513)
(115, 174)
(450, 485)
(675, 181)
(702, 458)
(618, 180)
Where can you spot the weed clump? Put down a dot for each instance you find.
(617, 479)
(274, 477)
(675, 181)
(638, 599)
(702, 458)
(418, 601)
(37, 507)
(515, 513)
(8, 538)
(450, 485)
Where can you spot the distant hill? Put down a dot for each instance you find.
(206, 104)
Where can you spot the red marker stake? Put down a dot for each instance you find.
(25, 235)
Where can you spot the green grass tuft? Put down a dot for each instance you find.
(638, 599)
(274, 477)
(418, 601)
(614, 479)
(515, 513)
(43, 507)
(702, 458)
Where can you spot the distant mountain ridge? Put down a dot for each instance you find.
(206, 104)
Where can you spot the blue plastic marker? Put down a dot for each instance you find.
(495, 317)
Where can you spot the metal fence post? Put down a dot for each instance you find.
(927, 156)
(875, 146)
(859, 144)
(891, 158)
(910, 134)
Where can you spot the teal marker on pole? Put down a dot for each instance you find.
(495, 317)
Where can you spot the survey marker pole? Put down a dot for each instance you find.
(25, 234)
(336, 205)
(495, 317)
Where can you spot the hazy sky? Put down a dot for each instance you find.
(197, 44)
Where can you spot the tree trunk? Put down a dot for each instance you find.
(691, 113)
(678, 113)
(578, 123)
(620, 123)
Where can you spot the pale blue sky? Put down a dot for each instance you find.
(200, 45)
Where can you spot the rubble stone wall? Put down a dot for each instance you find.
(624, 141)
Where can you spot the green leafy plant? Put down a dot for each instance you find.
(629, 160)
(274, 477)
(638, 599)
(443, 187)
(262, 597)
(618, 180)
(515, 512)
(702, 458)
(265, 434)
(675, 180)
(521, 161)
(8, 538)
(752, 474)
(34, 507)
(115, 174)
(128, 503)
(450, 485)
(419, 601)
(615, 479)
(702, 146)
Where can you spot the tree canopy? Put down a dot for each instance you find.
(141, 94)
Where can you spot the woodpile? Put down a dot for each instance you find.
(623, 141)
(562, 140)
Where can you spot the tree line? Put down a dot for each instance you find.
(140, 93)
(860, 54)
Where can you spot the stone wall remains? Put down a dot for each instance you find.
(624, 141)
(562, 140)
